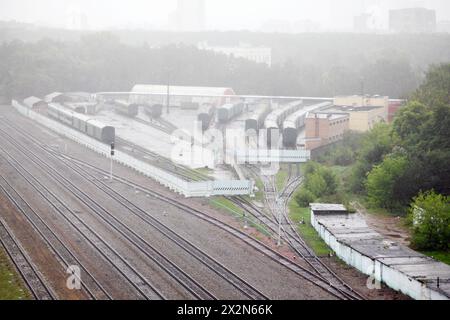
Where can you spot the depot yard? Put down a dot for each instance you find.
(119, 258)
(114, 229)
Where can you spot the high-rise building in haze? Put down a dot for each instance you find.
(76, 19)
(189, 16)
(412, 20)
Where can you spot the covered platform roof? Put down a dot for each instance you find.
(182, 90)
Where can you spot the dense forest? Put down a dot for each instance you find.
(38, 60)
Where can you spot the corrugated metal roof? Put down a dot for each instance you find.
(180, 90)
(51, 96)
(30, 101)
(293, 117)
(327, 207)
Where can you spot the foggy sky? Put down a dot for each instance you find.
(220, 14)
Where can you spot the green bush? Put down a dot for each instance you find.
(382, 182)
(316, 184)
(429, 214)
(330, 180)
(304, 197)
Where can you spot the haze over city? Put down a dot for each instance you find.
(284, 15)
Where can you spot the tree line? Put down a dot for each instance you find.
(304, 65)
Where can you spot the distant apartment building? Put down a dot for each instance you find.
(443, 26)
(189, 16)
(324, 128)
(361, 23)
(76, 19)
(412, 20)
(245, 51)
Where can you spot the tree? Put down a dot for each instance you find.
(430, 217)
(304, 197)
(330, 180)
(410, 121)
(316, 184)
(423, 128)
(382, 182)
(435, 89)
(319, 180)
(374, 146)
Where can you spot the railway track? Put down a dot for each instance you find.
(226, 274)
(53, 241)
(187, 246)
(313, 259)
(256, 244)
(280, 218)
(278, 207)
(140, 283)
(22, 262)
(163, 163)
(161, 125)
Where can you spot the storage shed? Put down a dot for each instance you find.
(35, 104)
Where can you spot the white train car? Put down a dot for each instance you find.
(296, 121)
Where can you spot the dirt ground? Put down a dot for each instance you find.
(389, 226)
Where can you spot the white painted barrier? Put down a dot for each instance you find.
(400, 268)
(273, 156)
(186, 188)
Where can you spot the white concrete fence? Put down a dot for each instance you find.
(394, 271)
(273, 156)
(173, 182)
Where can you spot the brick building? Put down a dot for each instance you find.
(325, 128)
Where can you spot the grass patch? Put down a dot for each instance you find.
(281, 178)
(308, 233)
(439, 255)
(259, 195)
(229, 207)
(11, 287)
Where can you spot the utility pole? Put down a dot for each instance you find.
(111, 162)
(279, 220)
(168, 91)
(362, 92)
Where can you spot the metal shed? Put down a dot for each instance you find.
(57, 97)
(35, 103)
(398, 266)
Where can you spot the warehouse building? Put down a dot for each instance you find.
(362, 101)
(180, 96)
(56, 97)
(361, 119)
(412, 20)
(364, 111)
(323, 128)
(35, 104)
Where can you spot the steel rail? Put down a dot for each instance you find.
(141, 284)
